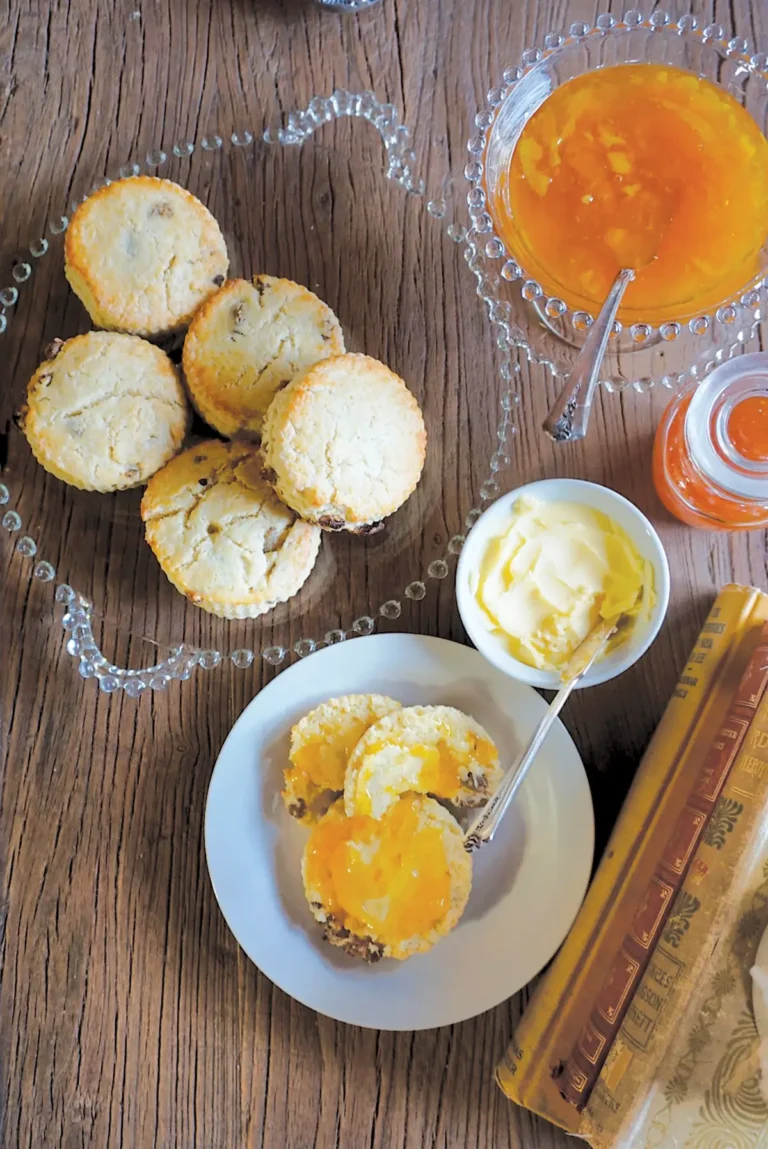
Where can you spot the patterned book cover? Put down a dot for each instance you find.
(630, 962)
(564, 996)
(683, 1068)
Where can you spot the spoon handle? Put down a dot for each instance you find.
(569, 416)
(489, 819)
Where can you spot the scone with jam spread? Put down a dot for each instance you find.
(321, 743)
(221, 535)
(388, 887)
(434, 750)
(344, 444)
(142, 254)
(105, 411)
(249, 340)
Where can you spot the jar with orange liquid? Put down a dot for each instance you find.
(710, 458)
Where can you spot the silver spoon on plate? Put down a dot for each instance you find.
(583, 658)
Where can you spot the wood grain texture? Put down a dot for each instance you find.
(128, 1016)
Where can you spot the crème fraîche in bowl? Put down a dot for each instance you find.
(545, 563)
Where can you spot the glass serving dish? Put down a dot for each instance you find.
(542, 326)
(288, 205)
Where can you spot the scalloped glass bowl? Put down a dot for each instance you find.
(544, 326)
(125, 626)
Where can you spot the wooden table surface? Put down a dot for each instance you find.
(128, 1015)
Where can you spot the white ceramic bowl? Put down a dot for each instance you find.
(637, 527)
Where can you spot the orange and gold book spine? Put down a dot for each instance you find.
(666, 1003)
(565, 997)
(631, 960)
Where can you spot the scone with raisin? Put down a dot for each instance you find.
(321, 743)
(105, 411)
(142, 254)
(221, 535)
(249, 340)
(344, 443)
(391, 886)
(434, 750)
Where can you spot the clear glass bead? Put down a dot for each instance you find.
(640, 332)
(156, 159)
(390, 609)
(64, 593)
(45, 572)
(304, 647)
(605, 22)
(109, 684)
(489, 490)
(5, 494)
(530, 57)
(415, 591)
(727, 314)
(659, 19)
(160, 682)
(209, 659)
(334, 637)
(552, 41)
(242, 659)
(687, 23)
(455, 544)
(581, 320)
(714, 32)
(633, 17)
(72, 647)
(457, 233)
(211, 143)
(127, 171)
(578, 30)
(274, 655)
(438, 569)
(9, 296)
(26, 547)
(86, 669)
(58, 226)
(511, 270)
(242, 139)
(11, 520)
(133, 687)
(669, 332)
(364, 625)
(183, 149)
(472, 518)
(21, 272)
(512, 75)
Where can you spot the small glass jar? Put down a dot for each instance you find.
(710, 458)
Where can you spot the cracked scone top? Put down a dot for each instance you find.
(221, 535)
(247, 341)
(344, 444)
(388, 887)
(142, 254)
(434, 750)
(105, 411)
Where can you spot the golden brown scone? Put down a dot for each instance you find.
(221, 535)
(142, 254)
(434, 750)
(388, 887)
(247, 341)
(105, 411)
(321, 743)
(344, 444)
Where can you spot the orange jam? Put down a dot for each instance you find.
(641, 166)
(685, 488)
(748, 428)
(386, 878)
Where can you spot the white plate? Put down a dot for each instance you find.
(528, 883)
